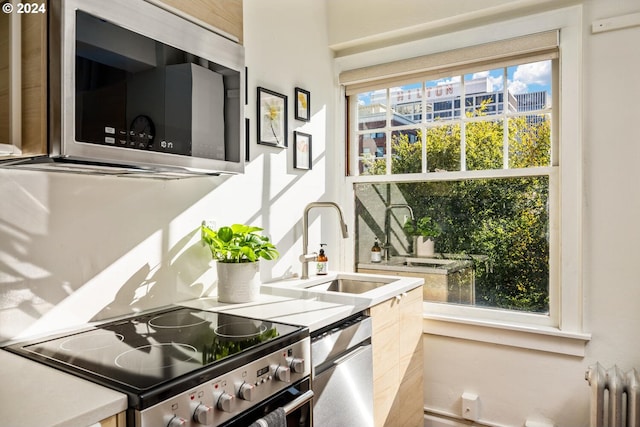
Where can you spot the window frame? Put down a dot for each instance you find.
(563, 332)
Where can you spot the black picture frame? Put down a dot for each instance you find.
(247, 140)
(302, 157)
(272, 118)
(246, 86)
(302, 104)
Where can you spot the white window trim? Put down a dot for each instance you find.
(566, 334)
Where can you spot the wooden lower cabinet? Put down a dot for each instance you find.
(118, 420)
(398, 396)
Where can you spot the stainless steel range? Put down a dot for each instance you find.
(186, 367)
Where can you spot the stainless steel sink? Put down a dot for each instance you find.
(349, 289)
(350, 286)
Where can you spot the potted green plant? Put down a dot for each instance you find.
(423, 231)
(237, 250)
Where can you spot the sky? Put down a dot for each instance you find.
(532, 77)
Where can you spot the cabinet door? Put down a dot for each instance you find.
(29, 37)
(34, 84)
(386, 348)
(223, 14)
(411, 361)
(118, 420)
(398, 361)
(5, 81)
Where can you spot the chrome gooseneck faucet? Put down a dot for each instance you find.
(306, 257)
(387, 226)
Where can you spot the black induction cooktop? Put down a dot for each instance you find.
(160, 349)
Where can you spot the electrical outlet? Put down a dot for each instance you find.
(470, 406)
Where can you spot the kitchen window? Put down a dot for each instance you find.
(471, 138)
(494, 228)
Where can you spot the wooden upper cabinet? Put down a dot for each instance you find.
(34, 84)
(5, 64)
(223, 14)
(29, 39)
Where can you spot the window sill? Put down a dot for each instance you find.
(540, 338)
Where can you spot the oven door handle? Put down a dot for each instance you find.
(298, 402)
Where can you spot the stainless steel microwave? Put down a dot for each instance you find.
(137, 87)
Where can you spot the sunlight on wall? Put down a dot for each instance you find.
(19, 231)
(80, 249)
(23, 222)
(293, 192)
(123, 287)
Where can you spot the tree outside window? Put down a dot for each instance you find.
(501, 223)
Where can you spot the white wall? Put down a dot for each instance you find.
(79, 248)
(358, 25)
(516, 384)
(384, 16)
(75, 248)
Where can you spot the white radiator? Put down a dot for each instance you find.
(615, 397)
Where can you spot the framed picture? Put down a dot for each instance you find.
(302, 154)
(303, 105)
(246, 86)
(247, 140)
(272, 118)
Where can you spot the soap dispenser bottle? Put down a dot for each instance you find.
(321, 266)
(376, 251)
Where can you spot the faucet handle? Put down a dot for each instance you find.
(313, 256)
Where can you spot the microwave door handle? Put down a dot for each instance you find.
(298, 402)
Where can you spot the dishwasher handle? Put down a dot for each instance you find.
(322, 368)
(339, 338)
(353, 353)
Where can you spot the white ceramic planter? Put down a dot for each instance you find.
(238, 282)
(424, 246)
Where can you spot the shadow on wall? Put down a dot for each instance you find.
(79, 248)
(148, 285)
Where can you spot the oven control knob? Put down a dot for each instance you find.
(203, 414)
(225, 402)
(296, 364)
(177, 422)
(245, 392)
(282, 373)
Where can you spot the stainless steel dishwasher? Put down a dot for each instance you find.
(342, 375)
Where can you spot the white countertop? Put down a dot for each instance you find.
(305, 301)
(312, 288)
(35, 395)
(306, 312)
